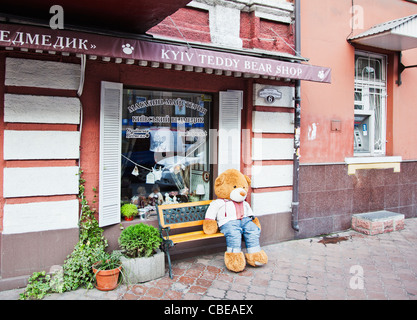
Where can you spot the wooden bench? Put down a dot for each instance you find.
(182, 215)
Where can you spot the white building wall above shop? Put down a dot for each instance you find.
(225, 26)
(41, 146)
(40, 181)
(42, 74)
(40, 216)
(272, 122)
(41, 109)
(271, 202)
(36, 144)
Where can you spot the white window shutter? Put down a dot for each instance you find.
(229, 153)
(110, 152)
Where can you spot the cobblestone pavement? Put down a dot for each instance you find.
(354, 266)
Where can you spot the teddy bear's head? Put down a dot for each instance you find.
(232, 185)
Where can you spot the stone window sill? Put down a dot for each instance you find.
(355, 163)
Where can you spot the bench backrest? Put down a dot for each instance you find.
(182, 215)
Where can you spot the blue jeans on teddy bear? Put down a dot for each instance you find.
(233, 231)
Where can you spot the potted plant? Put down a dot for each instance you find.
(107, 270)
(142, 260)
(129, 211)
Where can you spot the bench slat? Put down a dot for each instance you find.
(191, 236)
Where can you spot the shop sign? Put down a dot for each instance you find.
(167, 119)
(92, 44)
(167, 102)
(270, 94)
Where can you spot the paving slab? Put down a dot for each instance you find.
(352, 266)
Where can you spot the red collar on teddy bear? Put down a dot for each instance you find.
(240, 210)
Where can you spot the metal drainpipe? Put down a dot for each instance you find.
(297, 120)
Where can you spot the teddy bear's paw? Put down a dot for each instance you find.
(210, 226)
(256, 259)
(256, 221)
(235, 261)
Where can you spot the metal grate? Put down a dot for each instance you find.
(187, 214)
(370, 96)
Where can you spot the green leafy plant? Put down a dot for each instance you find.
(91, 244)
(38, 286)
(139, 240)
(77, 268)
(129, 210)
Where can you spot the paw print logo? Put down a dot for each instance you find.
(321, 74)
(127, 48)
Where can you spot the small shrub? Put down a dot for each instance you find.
(139, 240)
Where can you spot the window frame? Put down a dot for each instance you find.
(112, 110)
(365, 87)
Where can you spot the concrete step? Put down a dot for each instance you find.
(377, 222)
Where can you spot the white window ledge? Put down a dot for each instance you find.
(355, 163)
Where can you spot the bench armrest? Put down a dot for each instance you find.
(161, 231)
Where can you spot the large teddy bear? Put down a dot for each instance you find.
(234, 217)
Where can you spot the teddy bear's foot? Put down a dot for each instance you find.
(235, 261)
(256, 259)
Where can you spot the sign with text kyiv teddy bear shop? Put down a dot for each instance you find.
(98, 45)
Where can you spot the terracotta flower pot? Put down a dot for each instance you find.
(128, 218)
(107, 280)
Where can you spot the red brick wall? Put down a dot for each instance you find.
(194, 29)
(257, 33)
(254, 31)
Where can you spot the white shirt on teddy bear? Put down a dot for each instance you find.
(224, 211)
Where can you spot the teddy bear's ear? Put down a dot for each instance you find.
(219, 181)
(248, 180)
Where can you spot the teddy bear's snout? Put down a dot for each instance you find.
(238, 194)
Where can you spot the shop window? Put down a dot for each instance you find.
(165, 147)
(370, 104)
(157, 146)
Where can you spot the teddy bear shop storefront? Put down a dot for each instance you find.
(148, 122)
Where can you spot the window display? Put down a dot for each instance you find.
(165, 149)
